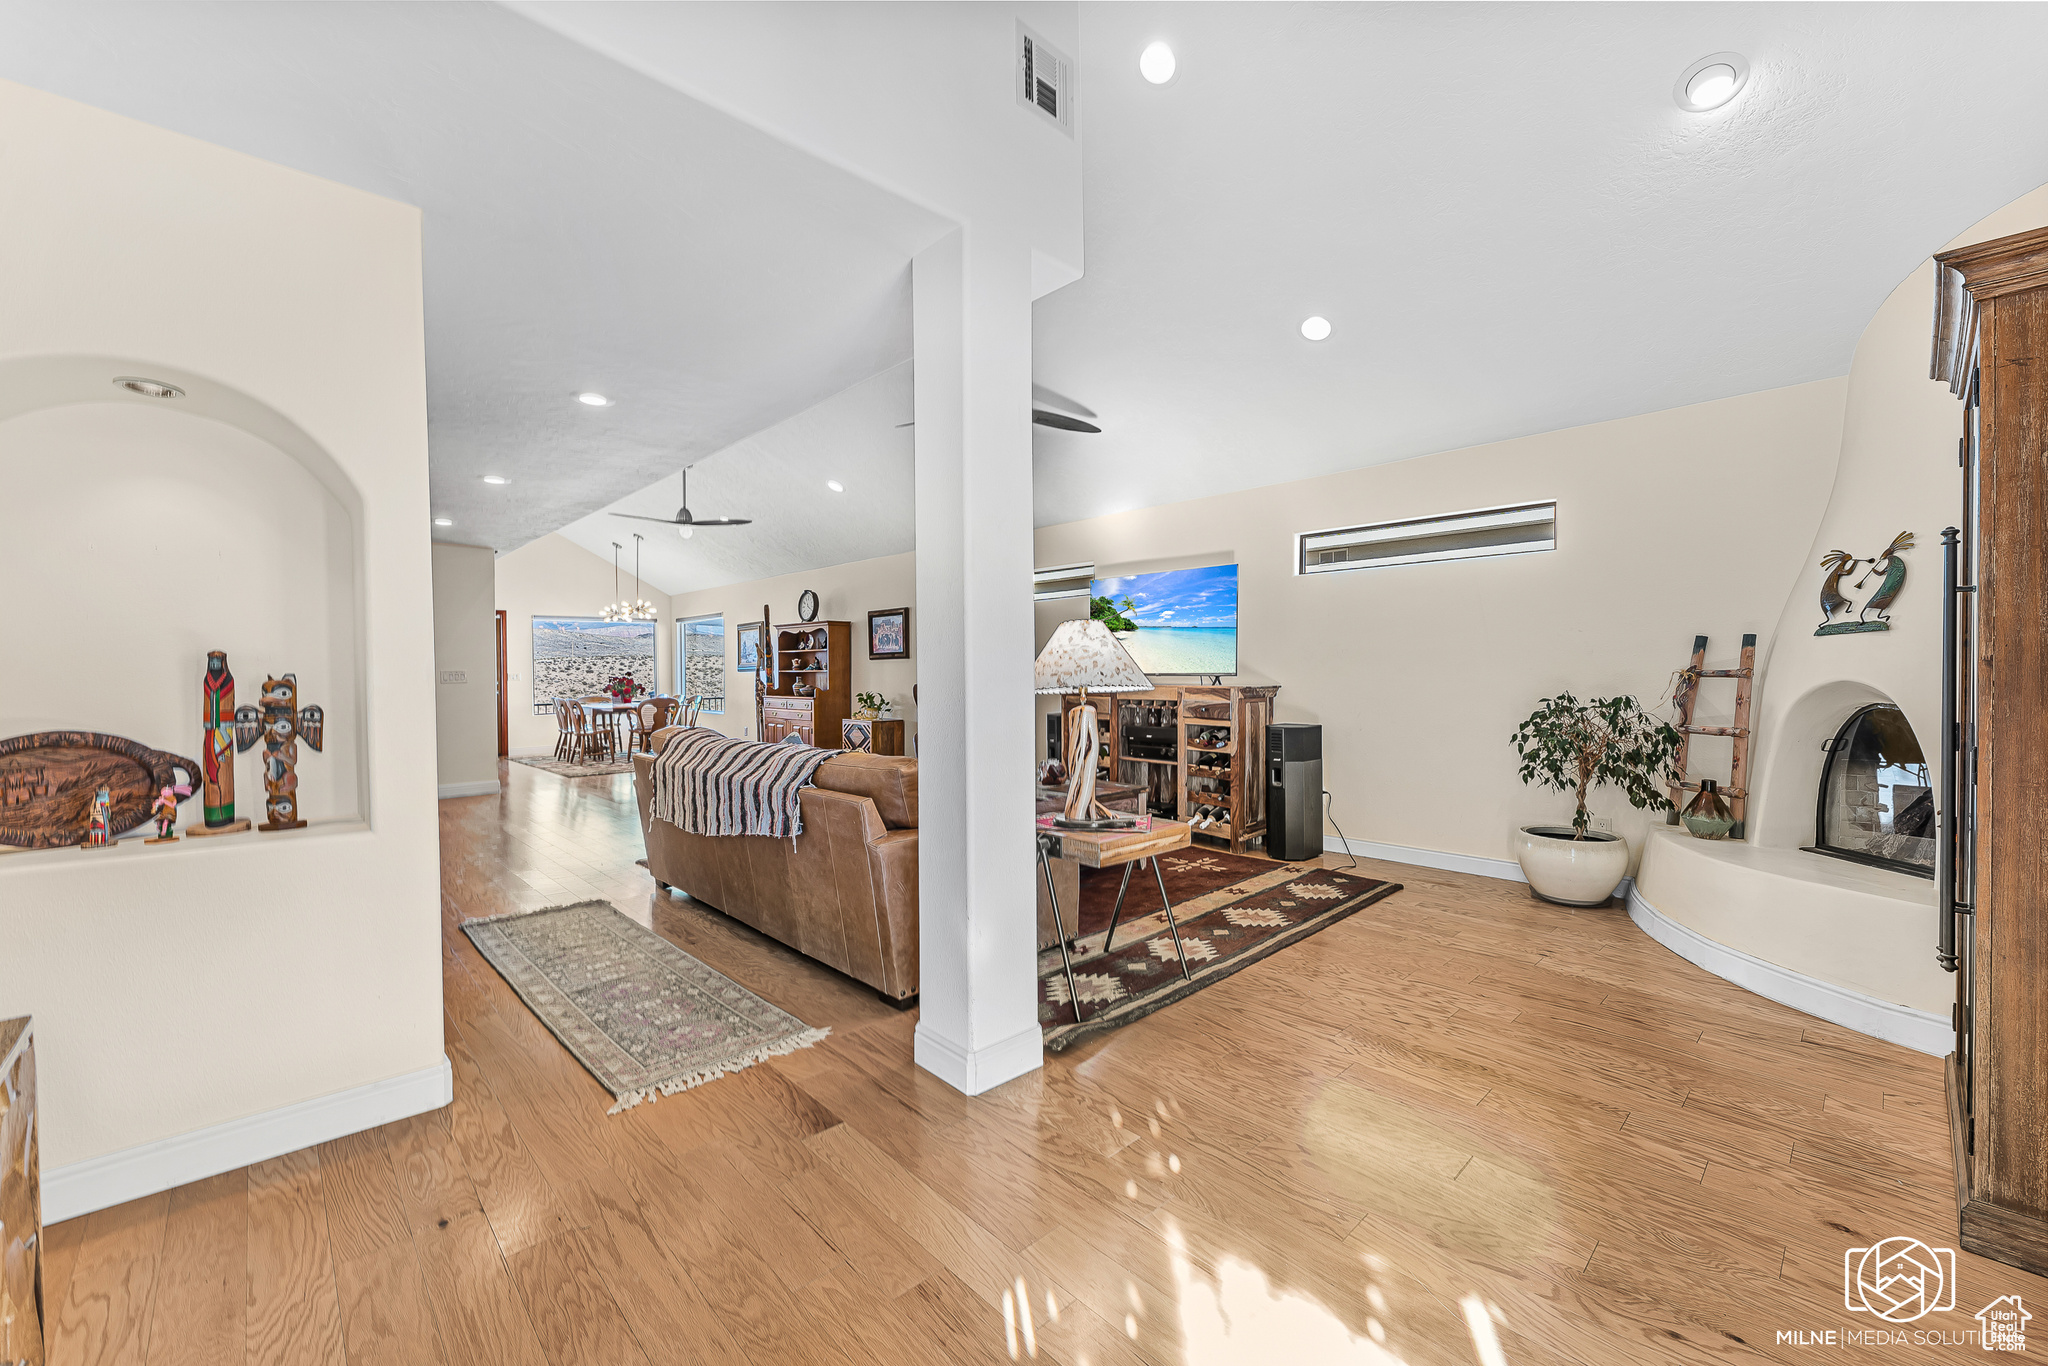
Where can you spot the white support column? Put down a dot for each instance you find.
(978, 1023)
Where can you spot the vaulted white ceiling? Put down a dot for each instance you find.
(584, 228)
(1510, 223)
(1505, 215)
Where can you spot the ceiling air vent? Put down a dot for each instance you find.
(1061, 581)
(1045, 79)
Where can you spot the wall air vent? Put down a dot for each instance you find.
(1061, 581)
(1045, 79)
(1459, 536)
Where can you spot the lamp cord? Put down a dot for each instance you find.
(1330, 814)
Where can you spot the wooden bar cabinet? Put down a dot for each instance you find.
(1991, 347)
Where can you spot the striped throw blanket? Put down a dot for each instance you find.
(708, 784)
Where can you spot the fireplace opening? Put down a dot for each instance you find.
(1876, 798)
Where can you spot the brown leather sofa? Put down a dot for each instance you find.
(844, 892)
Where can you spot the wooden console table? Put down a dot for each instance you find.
(21, 1200)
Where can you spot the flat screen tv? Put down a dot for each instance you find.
(1177, 621)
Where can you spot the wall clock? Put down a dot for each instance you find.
(807, 605)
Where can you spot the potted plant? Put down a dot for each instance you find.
(1573, 746)
(624, 688)
(869, 706)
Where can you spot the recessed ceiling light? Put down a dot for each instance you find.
(149, 388)
(1711, 82)
(1315, 329)
(835, 486)
(594, 400)
(496, 479)
(1156, 63)
(443, 521)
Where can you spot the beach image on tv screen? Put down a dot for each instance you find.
(1178, 621)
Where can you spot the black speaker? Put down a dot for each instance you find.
(1294, 791)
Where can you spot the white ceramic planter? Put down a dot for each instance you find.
(1575, 872)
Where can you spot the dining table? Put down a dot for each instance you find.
(607, 714)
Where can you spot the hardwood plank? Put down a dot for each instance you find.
(363, 1211)
(104, 1317)
(482, 1319)
(385, 1320)
(202, 1295)
(294, 1309)
(571, 1309)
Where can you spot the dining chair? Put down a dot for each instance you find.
(646, 721)
(590, 737)
(564, 736)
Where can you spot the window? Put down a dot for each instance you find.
(1459, 536)
(700, 660)
(1876, 798)
(579, 656)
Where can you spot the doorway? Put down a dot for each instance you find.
(504, 720)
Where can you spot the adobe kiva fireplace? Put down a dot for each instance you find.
(1876, 801)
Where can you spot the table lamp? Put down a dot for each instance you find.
(1083, 656)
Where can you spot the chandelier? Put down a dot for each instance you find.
(639, 609)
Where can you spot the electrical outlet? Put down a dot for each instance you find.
(1603, 823)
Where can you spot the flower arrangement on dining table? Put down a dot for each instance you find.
(625, 688)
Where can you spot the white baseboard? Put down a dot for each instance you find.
(1915, 1029)
(147, 1168)
(1504, 868)
(982, 1069)
(488, 787)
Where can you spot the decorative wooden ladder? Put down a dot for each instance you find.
(1737, 790)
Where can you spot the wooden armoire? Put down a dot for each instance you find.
(1991, 347)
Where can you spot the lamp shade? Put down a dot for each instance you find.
(1083, 654)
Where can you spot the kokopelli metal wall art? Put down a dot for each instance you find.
(1840, 564)
(280, 722)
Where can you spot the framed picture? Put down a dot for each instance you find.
(749, 642)
(889, 633)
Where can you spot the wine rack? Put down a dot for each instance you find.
(1198, 752)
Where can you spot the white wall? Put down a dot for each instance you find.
(554, 577)
(846, 592)
(1867, 929)
(182, 989)
(1670, 525)
(188, 535)
(465, 670)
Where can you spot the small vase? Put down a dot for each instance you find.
(1707, 815)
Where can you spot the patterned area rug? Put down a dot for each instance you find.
(1222, 932)
(561, 767)
(1190, 873)
(646, 1018)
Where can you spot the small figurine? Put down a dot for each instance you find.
(1893, 580)
(164, 811)
(98, 830)
(281, 724)
(217, 726)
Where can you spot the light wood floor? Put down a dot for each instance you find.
(1459, 1107)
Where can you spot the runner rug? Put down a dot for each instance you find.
(1222, 932)
(604, 768)
(647, 1019)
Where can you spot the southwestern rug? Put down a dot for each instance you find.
(1222, 931)
(563, 768)
(644, 1017)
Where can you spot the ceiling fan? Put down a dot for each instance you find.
(684, 522)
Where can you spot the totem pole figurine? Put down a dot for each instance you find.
(164, 811)
(99, 828)
(281, 723)
(217, 722)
